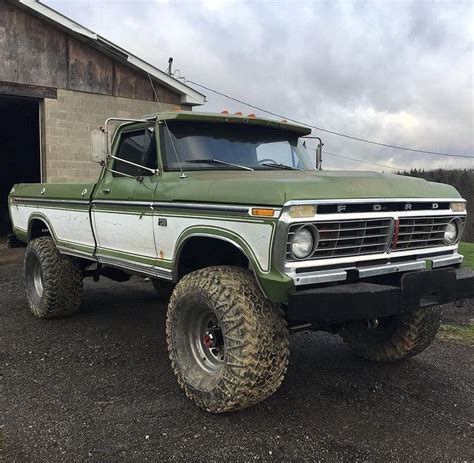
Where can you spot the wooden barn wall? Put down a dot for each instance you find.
(35, 53)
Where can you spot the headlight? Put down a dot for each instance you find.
(302, 243)
(451, 232)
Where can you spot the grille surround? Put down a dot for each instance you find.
(345, 238)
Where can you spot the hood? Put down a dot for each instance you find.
(275, 188)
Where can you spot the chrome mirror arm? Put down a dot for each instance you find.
(153, 171)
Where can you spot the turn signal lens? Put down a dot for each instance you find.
(301, 212)
(458, 207)
(263, 212)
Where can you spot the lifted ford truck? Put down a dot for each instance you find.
(229, 218)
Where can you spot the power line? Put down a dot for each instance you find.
(360, 160)
(340, 134)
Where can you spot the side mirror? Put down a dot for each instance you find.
(99, 145)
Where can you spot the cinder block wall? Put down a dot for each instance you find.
(68, 122)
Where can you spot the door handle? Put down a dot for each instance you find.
(106, 191)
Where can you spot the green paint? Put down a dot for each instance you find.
(126, 256)
(274, 188)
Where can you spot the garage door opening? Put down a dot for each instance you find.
(20, 152)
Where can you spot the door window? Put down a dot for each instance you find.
(138, 147)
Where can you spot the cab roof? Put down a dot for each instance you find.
(224, 117)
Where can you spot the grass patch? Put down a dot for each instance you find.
(467, 250)
(461, 334)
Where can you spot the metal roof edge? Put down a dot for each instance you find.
(189, 96)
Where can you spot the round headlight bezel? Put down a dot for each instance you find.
(314, 241)
(458, 228)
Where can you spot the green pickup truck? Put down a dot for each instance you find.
(233, 224)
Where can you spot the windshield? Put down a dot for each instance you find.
(223, 146)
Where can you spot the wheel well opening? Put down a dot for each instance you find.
(37, 228)
(201, 252)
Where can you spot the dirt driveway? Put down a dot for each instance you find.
(98, 386)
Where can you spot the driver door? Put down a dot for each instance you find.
(121, 208)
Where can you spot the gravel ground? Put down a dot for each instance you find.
(98, 386)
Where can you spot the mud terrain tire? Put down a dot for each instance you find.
(53, 280)
(163, 288)
(397, 337)
(253, 332)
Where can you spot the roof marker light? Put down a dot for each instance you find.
(225, 111)
(238, 113)
(251, 116)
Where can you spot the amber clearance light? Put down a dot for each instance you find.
(262, 212)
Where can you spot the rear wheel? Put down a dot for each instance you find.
(53, 281)
(228, 345)
(395, 337)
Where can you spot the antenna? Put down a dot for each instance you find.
(183, 175)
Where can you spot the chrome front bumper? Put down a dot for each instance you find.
(366, 271)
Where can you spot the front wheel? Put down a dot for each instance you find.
(395, 337)
(228, 345)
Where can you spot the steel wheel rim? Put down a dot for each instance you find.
(37, 275)
(202, 323)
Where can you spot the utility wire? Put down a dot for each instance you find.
(360, 160)
(324, 130)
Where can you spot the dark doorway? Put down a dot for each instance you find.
(20, 153)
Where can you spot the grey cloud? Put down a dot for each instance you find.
(396, 72)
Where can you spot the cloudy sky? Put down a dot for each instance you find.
(396, 72)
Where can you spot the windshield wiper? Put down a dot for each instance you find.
(217, 161)
(278, 166)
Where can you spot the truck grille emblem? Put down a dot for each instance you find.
(396, 230)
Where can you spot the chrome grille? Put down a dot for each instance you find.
(347, 238)
(421, 232)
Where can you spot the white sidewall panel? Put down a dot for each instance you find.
(71, 226)
(127, 233)
(258, 236)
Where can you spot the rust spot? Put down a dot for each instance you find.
(162, 254)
